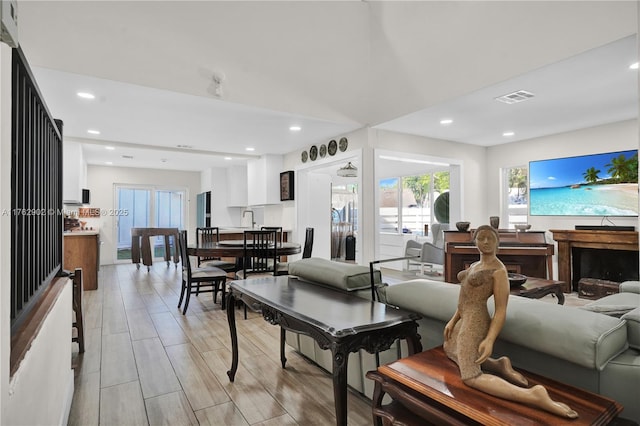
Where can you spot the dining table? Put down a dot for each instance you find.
(235, 248)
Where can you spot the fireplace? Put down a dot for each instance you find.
(609, 255)
(604, 264)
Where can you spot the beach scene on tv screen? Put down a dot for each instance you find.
(589, 185)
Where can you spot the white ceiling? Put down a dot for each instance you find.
(329, 67)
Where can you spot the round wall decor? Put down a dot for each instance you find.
(313, 153)
(333, 147)
(344, 143)
(304, 156)
(322, 151)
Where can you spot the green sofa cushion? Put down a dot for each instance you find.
(633, 327)
(581, 337)
(630, 287)
(344, 276)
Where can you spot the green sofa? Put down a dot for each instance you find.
(591, 350)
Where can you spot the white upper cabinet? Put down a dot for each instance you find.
(73, 172)
(263, 179)
(236, 186)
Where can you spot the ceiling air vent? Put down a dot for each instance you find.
(515, 97)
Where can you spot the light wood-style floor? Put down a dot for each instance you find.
(146, 363)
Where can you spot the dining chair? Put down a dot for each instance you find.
(78, 322)
(260, 253)
(282, 268)
(278, 229)
(212, 235)
(200, 280)
(279, 234)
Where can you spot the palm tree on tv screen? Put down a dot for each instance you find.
(622, 169)
(591, 175)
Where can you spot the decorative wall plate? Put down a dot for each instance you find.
(313, 153)
(344, 143)
(323, 150)
(304, 156)
(333, 147)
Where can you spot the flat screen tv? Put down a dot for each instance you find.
(588, 185)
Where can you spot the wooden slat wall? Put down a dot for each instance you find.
(36, 195)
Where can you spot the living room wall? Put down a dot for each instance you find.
(606, 138)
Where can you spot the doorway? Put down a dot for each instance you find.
(147, 207)
(329, 203)
(344, 221)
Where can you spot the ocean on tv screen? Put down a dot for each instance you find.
(585, 200)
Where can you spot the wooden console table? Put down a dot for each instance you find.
(521, 252)
(594, 239)
(426, 389)
(140, 243)
(336, 320)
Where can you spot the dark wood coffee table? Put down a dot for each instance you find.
(336, 320)
(426, 389)
(535, 288)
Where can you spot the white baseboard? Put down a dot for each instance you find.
(68, 399)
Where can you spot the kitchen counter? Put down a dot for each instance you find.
(82, 250)
(77, 233)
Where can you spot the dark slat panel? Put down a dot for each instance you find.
(36, 199)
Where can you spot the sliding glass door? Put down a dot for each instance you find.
(147, 207)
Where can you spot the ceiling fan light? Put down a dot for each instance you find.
(348, 171)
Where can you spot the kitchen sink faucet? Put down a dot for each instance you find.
(253, 222)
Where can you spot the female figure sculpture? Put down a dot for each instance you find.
(470, 334)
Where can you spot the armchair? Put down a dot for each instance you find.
(431, 253)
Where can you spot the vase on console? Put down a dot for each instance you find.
(494, 221)
(463, 226)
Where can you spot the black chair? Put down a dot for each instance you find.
(260, 253)
(278, 229)
(283, 267)
(212, 235)
(78, 322)
(205, 280)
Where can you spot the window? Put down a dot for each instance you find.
(406, 208)
(147, 207)
(515, 202)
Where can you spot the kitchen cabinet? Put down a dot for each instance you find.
(237, 186)
(82, 250)
(263, 179)
(73, 172)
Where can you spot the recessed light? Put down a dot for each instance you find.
(634, 66)
(93, 132)
(227, 158)
(295, 128)
(446, 121)
(508, 134)
(249, 148)
(110, 148)
(86, 95)
(108, 163)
